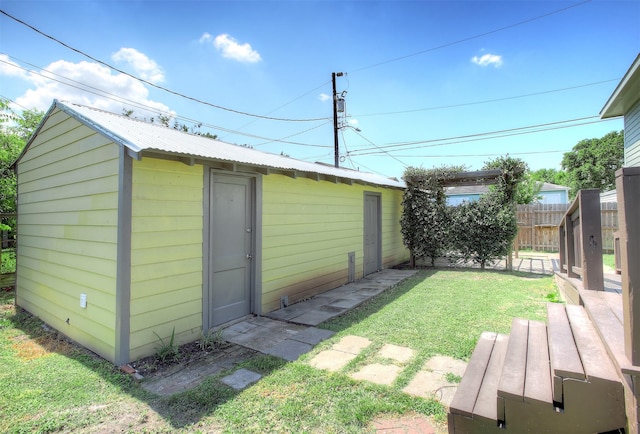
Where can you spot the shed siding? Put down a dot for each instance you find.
(632, 137)
(68, 198)
(166, 253)
(308, 229)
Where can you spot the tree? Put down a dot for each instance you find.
(425, 220)
(552, 176)
(484, 229)
(15, 130)
(592, 163)
(481, 231)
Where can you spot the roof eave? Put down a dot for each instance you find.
(626, 94)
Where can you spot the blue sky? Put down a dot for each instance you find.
(427, 83)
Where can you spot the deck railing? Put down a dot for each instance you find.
(580, 238)
(628, 191)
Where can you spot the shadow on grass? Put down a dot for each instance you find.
(178, 411)
(190, 408)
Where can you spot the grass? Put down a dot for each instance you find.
(50, 385)
(8, 263)
(609, 260)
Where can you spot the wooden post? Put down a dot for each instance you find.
(628, 191)
(562, 243)
(591, 240)
(568, 248)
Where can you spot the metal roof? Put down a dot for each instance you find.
(140, 136)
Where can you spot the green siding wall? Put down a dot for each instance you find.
(308, 229)
(166, 253)
(67, 205)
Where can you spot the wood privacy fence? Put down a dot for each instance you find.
(538, 226)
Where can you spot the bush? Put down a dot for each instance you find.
(480, 231)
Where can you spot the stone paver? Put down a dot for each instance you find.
(446, 364)
(289, 349)
(331, 360)
(313, 335)
(431, 382)
(241, 379)
(414, 424)
(396, 352)
(352, 344)
(378, 374)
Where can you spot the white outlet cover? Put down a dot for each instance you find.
(83, 301)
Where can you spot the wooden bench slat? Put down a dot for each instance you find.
(537, 387)
(465, 398)
(511, 384)
(487, 403)
(595, 360)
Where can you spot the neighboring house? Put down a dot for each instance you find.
(549, 193)
(608, 196)
(625, 101)
(128, 228)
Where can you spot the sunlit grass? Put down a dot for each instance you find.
(48, 384)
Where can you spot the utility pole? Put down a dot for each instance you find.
(335, 118)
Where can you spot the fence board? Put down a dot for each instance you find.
(537, 226)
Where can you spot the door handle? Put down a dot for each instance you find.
(249, 256)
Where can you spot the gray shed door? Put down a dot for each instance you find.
(372, 229)
(230, 232)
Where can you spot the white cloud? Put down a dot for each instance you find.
(206, 37)
(232, 49)
(488, 60)
(144, 67)
(10, 68)
(354, 123)
(88, 84)
(324, 97)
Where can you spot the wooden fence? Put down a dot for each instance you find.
(538, 226)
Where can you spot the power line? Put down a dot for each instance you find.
(459, 41)
(104, 94)
(479, 136)
(472, 155)
(153, 84)
(382, 150)
(489, 100)
(285, 104)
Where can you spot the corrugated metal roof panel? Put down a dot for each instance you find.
(140, 136)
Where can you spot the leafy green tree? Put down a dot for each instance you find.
(425, 220)
(514, 171)
(480, 231)
(15, 131)
(592, 163)
(552, 176)
(484, 229)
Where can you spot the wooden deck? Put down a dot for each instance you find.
(553, 377)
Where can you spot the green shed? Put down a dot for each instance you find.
(128, 228)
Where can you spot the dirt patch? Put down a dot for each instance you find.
(189, 353)
(408, 423)
(28, 348)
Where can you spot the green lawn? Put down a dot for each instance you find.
(8, 263)
(609, 260)
(48, 385)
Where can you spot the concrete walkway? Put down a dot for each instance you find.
(286, 333)
(291, 332)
